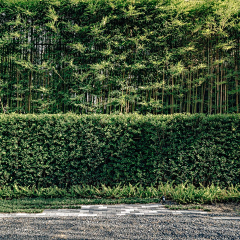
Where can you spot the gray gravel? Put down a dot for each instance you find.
(164, 226)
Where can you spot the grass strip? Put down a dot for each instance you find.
(188, 207)
(37, 205)
(182, 193)
(31, 199)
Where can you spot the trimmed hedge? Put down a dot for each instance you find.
(68, 149)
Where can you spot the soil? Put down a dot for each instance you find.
(224, 207)
(215, 207)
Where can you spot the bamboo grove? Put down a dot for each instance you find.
(119, 56)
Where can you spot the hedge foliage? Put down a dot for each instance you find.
(67, 150)
(109, 56)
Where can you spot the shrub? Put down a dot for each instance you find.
(67, 150)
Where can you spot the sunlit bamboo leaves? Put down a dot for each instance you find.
(120, 56)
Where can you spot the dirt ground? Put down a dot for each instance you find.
(224, 207)
(215, 207)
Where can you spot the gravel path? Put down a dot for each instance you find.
(131, 225)
(120, 227)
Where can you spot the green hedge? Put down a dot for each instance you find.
(66, 150)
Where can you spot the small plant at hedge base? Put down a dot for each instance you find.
(182, 193)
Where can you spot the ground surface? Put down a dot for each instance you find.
(215, 207)
(165, 226)
(156, 223)
(223, 207)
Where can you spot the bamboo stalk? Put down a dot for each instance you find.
(172, 98)
(163, 88)
(221, 93)
(217, 108)
(236, 79)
